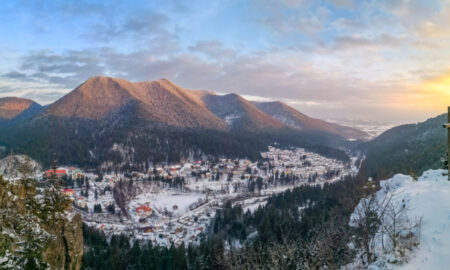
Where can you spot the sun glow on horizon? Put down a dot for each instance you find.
(364, 59)
(438, 91)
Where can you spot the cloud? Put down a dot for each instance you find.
(139, 25)
(213, 49)
(356, 41)
(6, 91)
(311, 54)
(310, 88)
(343, 3)
(15, 75)
(348, 24)
(291, 17)
(64, 70)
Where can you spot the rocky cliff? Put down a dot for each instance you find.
(36, 233)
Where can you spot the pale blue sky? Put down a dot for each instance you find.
(378, 60)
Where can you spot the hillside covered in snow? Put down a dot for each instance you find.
(12, 166)
(410, 220)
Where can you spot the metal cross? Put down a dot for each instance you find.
(447, 126)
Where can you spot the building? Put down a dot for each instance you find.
(143, 211)
(81, 203)
(58, 172)
(69, 192)
(75, 173)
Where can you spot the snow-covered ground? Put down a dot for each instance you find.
(9, 167)
(253, 204)
(177, 204)
(427, 198)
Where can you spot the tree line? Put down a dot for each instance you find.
(310, 224)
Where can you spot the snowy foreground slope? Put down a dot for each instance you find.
(427, 200)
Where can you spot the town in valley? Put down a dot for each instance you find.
(175, 203)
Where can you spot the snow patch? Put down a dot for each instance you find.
(428, 198)
(231, 118)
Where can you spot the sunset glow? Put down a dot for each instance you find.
(380, 60)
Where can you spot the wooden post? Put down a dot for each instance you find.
(447, 126)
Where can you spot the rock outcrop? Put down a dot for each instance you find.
(32, 231)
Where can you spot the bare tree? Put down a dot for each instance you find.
(403, 233)
(382, 220)
(367, 219)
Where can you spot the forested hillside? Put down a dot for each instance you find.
(408, 149)
(114, 120)
(306, 227)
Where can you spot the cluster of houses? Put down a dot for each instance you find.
(166, 214)
(186, 229)
(199, 169)
(304, 164)
(71, 172)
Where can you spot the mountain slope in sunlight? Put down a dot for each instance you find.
(109, 119)
(11, 107)
(297, 120)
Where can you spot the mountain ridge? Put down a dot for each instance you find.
(162, 101)
(239, 113)
(158, 101)
(295, 119)
(106, 119)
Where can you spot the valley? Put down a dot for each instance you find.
(224, 135)
(174, 204)
(257, 174)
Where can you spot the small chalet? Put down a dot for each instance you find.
(143, 211)
(58, 172)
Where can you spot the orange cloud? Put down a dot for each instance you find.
(431, 95)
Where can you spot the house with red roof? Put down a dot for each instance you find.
(144, 211)
(58, 172)
(69, 192)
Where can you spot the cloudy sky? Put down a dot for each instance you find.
(386, 60)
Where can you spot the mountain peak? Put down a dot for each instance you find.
(239, 113)
(93, 99)
(275, 103)
(98, 81)
(158, 101)
(10, 107)
(164, 80)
